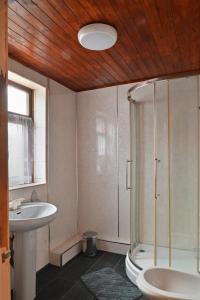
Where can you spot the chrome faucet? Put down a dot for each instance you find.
(16, 204)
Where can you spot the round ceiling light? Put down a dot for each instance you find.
(97, 36)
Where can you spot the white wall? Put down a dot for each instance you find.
(62, 185)
(97, 162)
(103, 148)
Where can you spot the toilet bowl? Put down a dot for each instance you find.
(162, 283)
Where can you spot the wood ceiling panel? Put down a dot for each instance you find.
(156, 38)
(39, 27)
(46, 45)
(109, 63)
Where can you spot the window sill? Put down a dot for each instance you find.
(23, 186)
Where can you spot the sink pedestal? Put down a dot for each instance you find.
(25, 265)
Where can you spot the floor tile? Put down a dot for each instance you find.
(45, 276)
(120, 267)
(55, 290)
(106, 260)
(78, 292)
(80, 266)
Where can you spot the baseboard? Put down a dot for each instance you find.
(60, 255)
(71, 248)
(113, 246)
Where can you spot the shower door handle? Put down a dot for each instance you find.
(128, 187)
(156, 176)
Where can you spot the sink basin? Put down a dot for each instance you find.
(31, 216)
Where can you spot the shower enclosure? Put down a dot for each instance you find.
(164, 117)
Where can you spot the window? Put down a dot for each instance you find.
(20, 135)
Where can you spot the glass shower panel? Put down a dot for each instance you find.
(145, 160)
(183, 126)
(162, 251)
(133, 184)
(142, 146)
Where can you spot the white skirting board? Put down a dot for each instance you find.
(113, 246)
(65, 252)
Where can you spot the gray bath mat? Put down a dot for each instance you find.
(107, 284)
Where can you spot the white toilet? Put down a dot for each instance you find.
(163, 283)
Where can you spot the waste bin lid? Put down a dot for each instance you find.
(90, 234)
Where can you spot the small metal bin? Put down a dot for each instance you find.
(89, 246)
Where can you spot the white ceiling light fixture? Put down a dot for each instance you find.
(97, 36)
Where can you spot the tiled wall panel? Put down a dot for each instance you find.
(97, 162)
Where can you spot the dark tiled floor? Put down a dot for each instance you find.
(64, 283)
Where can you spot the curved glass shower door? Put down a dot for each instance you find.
(161, 176)
(165, 174)
(134, 179)
(142, 149)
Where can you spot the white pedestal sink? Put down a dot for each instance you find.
(23, 223)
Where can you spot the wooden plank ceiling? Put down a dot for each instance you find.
(156, 38)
